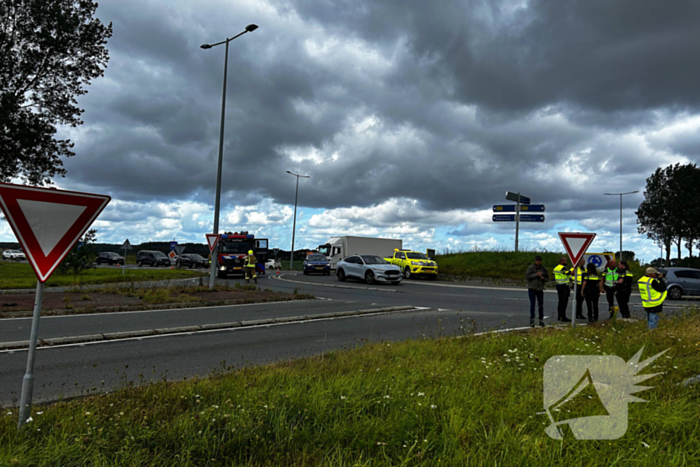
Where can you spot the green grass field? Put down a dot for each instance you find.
(429, 402)
(21, 276)
(501, 264)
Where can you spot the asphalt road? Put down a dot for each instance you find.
(76, 369)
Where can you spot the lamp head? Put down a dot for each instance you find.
(205, 46)
(251, 27)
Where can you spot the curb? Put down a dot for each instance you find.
(111, 336)
(279, 278)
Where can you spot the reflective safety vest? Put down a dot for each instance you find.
(650, 298)
(611, 276)
(249, 261)
(577, 272)
(560, 276)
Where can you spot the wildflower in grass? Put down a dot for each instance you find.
(421, 394)
(39, 413)
(9, 413)
(30, 419)
(645, 444)
(342, 398)
(87, 413)
(433, 406)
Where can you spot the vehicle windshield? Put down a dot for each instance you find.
(197, 257)
(159, 254)
(416, 256)
(325, 250)
(112, 254)
(373, 260)
(240, 248)
(316, 258)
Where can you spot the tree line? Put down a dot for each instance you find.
(670, 212)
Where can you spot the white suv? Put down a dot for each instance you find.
(16, 255)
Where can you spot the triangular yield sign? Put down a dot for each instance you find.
(576, 244)
(212, 239)
(48, 222)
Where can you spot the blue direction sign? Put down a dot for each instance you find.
(503, 217)
(504, 208)
(173, 245)
(532, 208)
(510, 196)
(531, 218)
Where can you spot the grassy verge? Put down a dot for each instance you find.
(435, 402)
(21, 276)
(502, 264)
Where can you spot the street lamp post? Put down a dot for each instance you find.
(294, 228)
(621, 195)
(215, 252)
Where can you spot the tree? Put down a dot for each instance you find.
(49, 50)
(81, 258)
(670, 212)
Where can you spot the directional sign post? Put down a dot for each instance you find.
(126, 247)
(575, 244)
(531, 217)
(503, 217)
(522, 204)
(532, 208)
(47, 223)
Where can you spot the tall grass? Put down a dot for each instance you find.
(434, 402)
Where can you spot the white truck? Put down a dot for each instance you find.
(338, 248)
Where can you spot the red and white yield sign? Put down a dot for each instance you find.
(576, 244)
(48, 222)
(212, 240)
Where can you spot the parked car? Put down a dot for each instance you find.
(109, 257)
(369, 268)
(272, 264)
(681, 281)
(152, 258)
(414, 263)
(317, 263)
(191, 261)
(16, 255)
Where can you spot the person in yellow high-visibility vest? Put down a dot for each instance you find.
(562, 278)
(249, 267)
(652, 289)
(577, 276)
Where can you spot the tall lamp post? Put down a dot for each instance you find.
(621, 195)
(294, 228)
(215, 253)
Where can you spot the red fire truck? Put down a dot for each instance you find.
(234, 247)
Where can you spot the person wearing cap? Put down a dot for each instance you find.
(624, 288)
(562, 277)
(577, 277)
(537, 277)
(249, 267)
(652, 289)
(611, 276)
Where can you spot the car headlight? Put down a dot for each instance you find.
(223, 268)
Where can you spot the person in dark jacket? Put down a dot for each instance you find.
(624, 288)
(592, 288)
(577, 273)
(537, 277)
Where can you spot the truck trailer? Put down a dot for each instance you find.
(338, 248)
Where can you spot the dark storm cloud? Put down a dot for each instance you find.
(461, 100)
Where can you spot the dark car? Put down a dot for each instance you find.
(681, 281)
(317, 263)
(191, 261)
(152, 258)
(109, 257)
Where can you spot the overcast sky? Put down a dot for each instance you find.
(411, 117)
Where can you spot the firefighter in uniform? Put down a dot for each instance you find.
(652, 288)
(562, 278)
(577, 276)
(249, 266)
(612, 275)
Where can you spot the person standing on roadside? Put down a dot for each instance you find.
(577, 276)
(652, 289)
(537, 277)
(562, 278)
(611, 275)
(624, 289)
(591, 291)
(249, 265)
